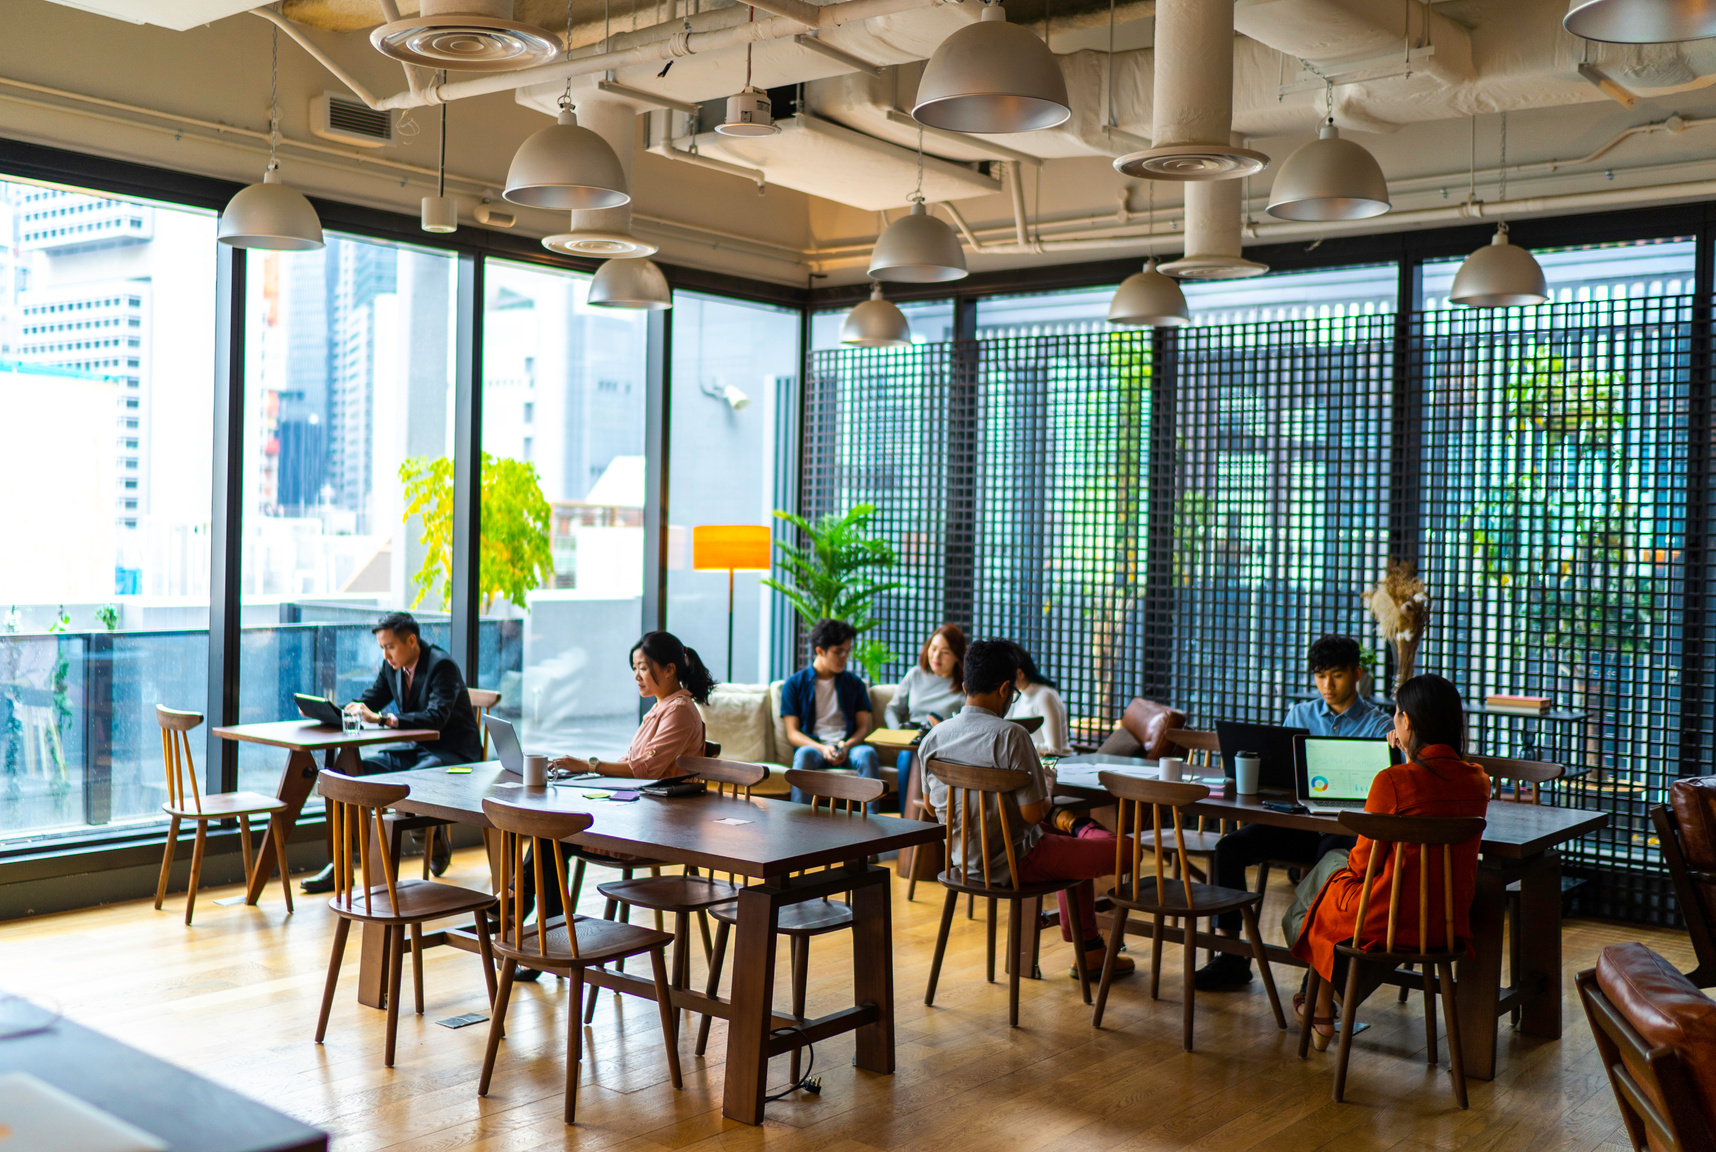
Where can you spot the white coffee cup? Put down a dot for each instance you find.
(535, 771)
(1247, 767)
(1172, 768)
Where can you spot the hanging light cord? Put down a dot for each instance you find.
(1111, 123)
(748, 46)
(917, 196)
(274, 99)
(1503, 189)
(1329, 99)
(1472, 179)
(441, 175)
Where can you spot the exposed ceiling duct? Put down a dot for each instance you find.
(1213, 234)
(1193, 99)
(466, 35)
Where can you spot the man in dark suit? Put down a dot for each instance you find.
(423, 686)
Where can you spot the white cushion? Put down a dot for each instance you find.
(736, 717)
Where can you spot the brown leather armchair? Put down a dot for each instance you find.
(1686, 829)
(1143, 730)
(1656, 1034)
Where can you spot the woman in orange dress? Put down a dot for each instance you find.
(1430, 729)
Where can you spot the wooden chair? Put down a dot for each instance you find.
(1202, 753)
(1403, 832)
(563, 945)
(184, 802)
(1692, 889)
(992, 790)
(482, 699)
(1185, 901)
(355, 809)
(849, 796)
(684, 895)
(1653, 1087)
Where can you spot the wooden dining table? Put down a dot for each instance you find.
(1518, 847)
(771, 842)
(302, 739)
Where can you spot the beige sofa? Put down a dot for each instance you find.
(745, 719)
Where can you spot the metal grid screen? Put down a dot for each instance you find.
(1178, 516)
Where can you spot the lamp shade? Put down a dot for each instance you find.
(1499, 275)
(730, 547)
(440, 214)
(1641, 21)
(876, 323)
(1149, 299)
(917, 249)
(992, 76)
(1329, 179)
(630, 283)
(566, 166)
(270, 215)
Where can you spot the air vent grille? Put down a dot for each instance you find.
(350, 121)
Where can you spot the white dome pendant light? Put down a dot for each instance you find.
(876, 323)
(1641, 21)
(631, 282)
(270, 215)
(605, 232)
(1329, 179)
(992, 77)
(1148, 299)
(917, 248)
(441, 211)
(564, 165)
(749, 111)
(1499, 275)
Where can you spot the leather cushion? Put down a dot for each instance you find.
(1667, 1011)
(1149, 723)
(1694, 804)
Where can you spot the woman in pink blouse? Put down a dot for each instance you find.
(671, 674)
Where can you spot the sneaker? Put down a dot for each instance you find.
(1223, 974)
(1093, 958)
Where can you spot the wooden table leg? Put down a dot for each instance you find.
(873, 968)
(295, 785)
(753, 1009)
(1480, 977)
(1540, 947)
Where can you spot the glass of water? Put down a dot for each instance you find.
(350, 721)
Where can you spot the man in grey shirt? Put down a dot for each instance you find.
(1067, 849)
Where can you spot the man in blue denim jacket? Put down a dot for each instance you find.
(826, 709)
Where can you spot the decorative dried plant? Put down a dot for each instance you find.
(1401, 605)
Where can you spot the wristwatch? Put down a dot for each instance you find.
(595, 763)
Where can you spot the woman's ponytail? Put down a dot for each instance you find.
(695, 678)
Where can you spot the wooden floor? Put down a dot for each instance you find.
(235, 998)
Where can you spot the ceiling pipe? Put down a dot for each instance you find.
(1016, 182)
(322, 57)
(672, 45)
(665, 148)
(1213, 235)
(964, 140)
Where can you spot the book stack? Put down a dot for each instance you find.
(1518, 705)
(1220, 786)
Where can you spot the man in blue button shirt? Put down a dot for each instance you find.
(1335, 663)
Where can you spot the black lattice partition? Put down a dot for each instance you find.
(1178, 515)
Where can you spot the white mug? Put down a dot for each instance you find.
(535, 771)
(1172, 768)
(1247, 767)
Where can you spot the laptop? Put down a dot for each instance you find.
(511, 755)
(318, 708)
(1334, 773)
(1272, 743)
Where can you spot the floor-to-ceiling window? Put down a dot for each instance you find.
(348, 408)
(106, 367)
(563, 448)
(735, 370)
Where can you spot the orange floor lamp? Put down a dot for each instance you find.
(736, 548)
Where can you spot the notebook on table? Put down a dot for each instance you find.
(1334, 773)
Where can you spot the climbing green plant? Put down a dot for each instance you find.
(515, 558)
(836, 575)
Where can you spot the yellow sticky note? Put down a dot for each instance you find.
(459, 770)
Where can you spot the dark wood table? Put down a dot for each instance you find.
(302, 739)
(776, 842)
(1518, 846)
(189, 1113)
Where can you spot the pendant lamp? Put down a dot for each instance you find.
(441, 211)
(566, 166)
(750, 112)
(1499, 275)
(1641, 21)
(876, 323)
(992, 77)
(270, 215)
(1149, 299)
(1329, 179)
(917, 249)
(631, 283)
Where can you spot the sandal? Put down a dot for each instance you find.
(1322, 1027)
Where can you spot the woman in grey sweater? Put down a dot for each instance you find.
(931, 692)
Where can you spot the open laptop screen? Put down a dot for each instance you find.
(1339, 768)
